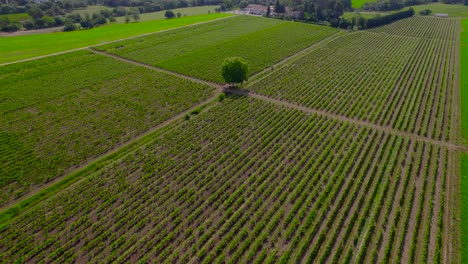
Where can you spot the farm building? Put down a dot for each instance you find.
(260, 10)
(441, 15)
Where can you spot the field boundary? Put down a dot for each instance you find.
(113, 41)
(141, 64)
(86, 170)
(15, 208)
(292, 58)
(346, 119)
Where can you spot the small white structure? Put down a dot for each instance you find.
(441, 15)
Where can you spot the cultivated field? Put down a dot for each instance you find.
(30, 46)
(346, 152)
(199, 51)
(404, 81)
(249, 181)
(59, 112)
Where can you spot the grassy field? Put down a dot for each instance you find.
(24, 47)
(464, 208)
(464, 80)
(91, 9)
(202, 54)
(464, 130)
(360, 3)
(60, 111)
(367, 15)
(15, 17)
(379, 88)
(187, 11)
(453, 10)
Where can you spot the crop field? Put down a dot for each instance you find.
(260, 41)
(60, 111)
(249, 181)
(342, 148)
(405, 81)
(30, 46)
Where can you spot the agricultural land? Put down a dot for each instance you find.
(25, 47)
(342, 147)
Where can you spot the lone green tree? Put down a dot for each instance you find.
(235, 70)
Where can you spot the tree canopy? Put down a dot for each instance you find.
(169, 14)
(235, 70)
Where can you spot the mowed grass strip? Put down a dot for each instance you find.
(24, 47)
(464, 130)
(464, 207)
(61, 111)
(200, 51)
(464, 80)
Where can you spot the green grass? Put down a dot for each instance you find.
(16, 17)
(60, 111)
(367, 15)
(455, 10)
(464, 80)
(464, 128)
(24, 47)
(200, 51)
(464, 208)
(359, 3)
(187, 11)
(91, 10)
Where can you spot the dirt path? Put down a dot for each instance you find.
(112, 41)
(290, 59)
(386, 129)
(111, 151)
(186, 77)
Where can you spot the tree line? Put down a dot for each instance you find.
(53, 13)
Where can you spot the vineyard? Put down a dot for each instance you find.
(249, 181)
(49, 124)
(343, 149)
(385, 78)
(199, 51)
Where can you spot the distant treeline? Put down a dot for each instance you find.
(330, 13)
(52, 13)
(390, 5)
(383, 20)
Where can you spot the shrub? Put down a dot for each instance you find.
(169, 14)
